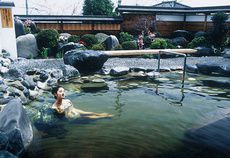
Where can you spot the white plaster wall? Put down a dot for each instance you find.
(189, 18)
(169, 18)
(8, 39)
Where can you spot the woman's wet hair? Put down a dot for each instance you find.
(54, 90)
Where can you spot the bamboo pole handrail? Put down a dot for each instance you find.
(146, 51)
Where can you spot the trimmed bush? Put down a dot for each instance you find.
(98, 47)
(129, 45)
(159, 43)
(74, 38)
(198, 42)
(89, 40)
(147, 41)
(47, 39)
(124, 37)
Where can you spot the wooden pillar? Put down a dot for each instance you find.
(62, 27)
(205, 21)
(184, 21)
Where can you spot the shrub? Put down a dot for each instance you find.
(159, 43)
(74, 38)
(118, 47)
(218, 34)
(89, 40)
(98, 47)
(197, 42)
(129, 45)
(124, 37)
(47, 39)
(147, 41)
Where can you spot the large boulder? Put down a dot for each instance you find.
(111, 42)
(214, 69)
(200, 34)
(19, 27)
(226, 53)
(16, 131)
(101, 37)
(86, 61)
(179, 41)
(204, 51)
(27, 46)
(182, 33)
(70, 46)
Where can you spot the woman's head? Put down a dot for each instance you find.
(58, 91)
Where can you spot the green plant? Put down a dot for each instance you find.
(98, 7)
(74, 38)
(89, 40)
(147, 41)
(219, 31)
(60, 54)
(118, 47)
(197, 42)
(227, 41)
(47, 39)
(129, 45)
(98, 47)
(159, 43)
(124, 37)
(45, 52)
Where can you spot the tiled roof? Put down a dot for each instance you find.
(150, 9)
(6, 4)
(172, 4)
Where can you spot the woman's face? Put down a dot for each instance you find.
(60, 93)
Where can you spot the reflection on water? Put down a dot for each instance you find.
(145, 124)
(118, 104)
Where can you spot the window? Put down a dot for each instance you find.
(6, 16)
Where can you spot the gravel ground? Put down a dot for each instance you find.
(25, 65)
(165, 63)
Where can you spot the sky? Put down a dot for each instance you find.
(74, 7)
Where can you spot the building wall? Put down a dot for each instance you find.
(81, 29)
(8, 39)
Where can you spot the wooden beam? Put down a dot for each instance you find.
(144, 52)
(205, 22)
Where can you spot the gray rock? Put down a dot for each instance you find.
(97, 86)
(111, 42)
(44, 76)
(153, 75)
(52, 82)
(28, 82)
(179, 41)
(86, 61)
(204, 51)
(19, 27)
(13, 74)
(15, 126)
(27, 46)
(200, 34)
(70, 46)
(182, 33)
(226, 53)
(5, 100)
(55, 73)
(101, 37)
(191, 68)
(16, 84)
(119, 71)
(210, 68)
